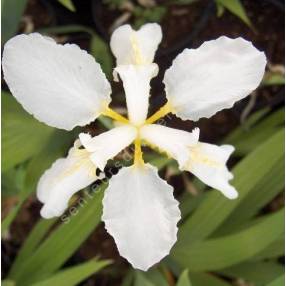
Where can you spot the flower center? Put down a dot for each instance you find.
(138, 154)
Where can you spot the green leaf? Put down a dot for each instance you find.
(235, 7)
(145, 15)
(73, 275)
(22, 135)
(13, 181)
(141, 280)
(101, 52)
(38, 232)
(66, 29)
(274, 250)
(184, 279)
(247, 137)
(10, 217)
(182, 2)
(204, 279)
(273, 78)
(219, 253)
(215, 208)
(219, 10)
(68, 4)
(128, 278)
(258, 273)
(189, 202)
(106, 122)
(279, 281)
(156, 277)
(63, 242)
(265, 190)
(12, 11)
(238, 133)
(8, 283)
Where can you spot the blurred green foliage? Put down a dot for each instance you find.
(68, 4)
(12, 11)
(236, 8)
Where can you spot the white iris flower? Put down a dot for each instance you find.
(64, 87)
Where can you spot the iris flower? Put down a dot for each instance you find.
(63, 86)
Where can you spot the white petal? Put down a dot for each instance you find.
(135, 47)
(208, 163)
(65, 177)
(136, 82)
(176, 143)
(60, 85)
(206, 80)
(108, 144)
(141, 214)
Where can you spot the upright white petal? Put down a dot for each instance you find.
(176, 143)
(135, 47)
(206, 161)
(136, 82)
(108, 144)
(141, 214)
(60, 85)
(203, 81)
(65, 177)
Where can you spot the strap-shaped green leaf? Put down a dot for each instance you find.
(257, 273)
(265, 190)
(74, 275)
(279, 281)
(36, 235)
(205, 279)
(141, 280)
(274, 250)
(68, 4)
(219, 253)
(64, 241)
(12, 11)
(250, 134)
(23, 136)
(184, 279)
(235, 7)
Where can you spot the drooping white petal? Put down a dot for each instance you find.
(108, 144)
(203, 81)
(136, 82)
(208, 163)
(60, 85)
(141, 214)
(135, 47)
(176, 143)
(65, 177)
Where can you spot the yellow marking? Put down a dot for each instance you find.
(137, 52)
(197, 156)
(167, 108)
(114, 115)
(157, 149)
(82, 157)
(138, 155)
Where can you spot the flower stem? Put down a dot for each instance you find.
(114, 115)
(164, 110)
